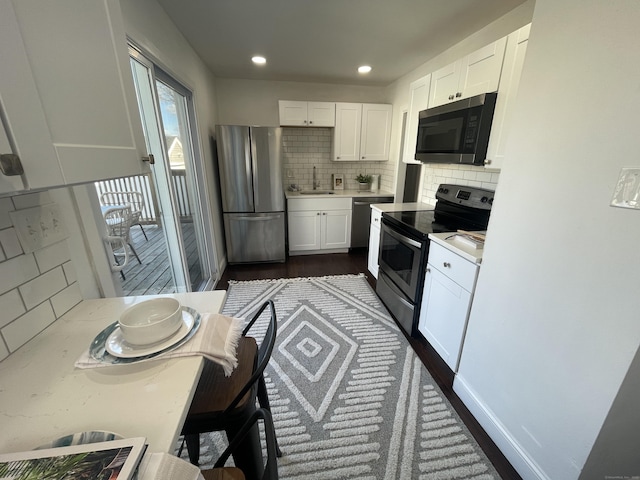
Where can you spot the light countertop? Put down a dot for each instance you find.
(399, 207)
(338, 194)
(448, 240)
(43, 396)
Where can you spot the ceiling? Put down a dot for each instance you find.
(326, 40)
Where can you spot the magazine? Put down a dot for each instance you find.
(116, 459)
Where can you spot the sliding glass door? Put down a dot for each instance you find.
(168, 120)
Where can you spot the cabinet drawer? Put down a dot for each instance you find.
(458, 269)
(318, 204)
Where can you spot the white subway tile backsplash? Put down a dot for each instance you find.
(11, 307)
(4, 352)
(6, 205)
(65, 300)
(31, 200)
(70, 272)
(434, 175)
(35, 288)
(43, 287)
(16, 271)
(28, 326)
(52, 256)
(10, 243)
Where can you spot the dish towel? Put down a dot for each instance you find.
(216, 339)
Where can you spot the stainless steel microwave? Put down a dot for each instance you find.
(456, 132)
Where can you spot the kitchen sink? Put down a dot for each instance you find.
(317, 192)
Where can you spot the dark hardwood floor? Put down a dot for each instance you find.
(356, 262)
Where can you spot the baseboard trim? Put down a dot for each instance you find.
(510, 448)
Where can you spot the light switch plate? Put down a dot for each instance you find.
(627, 192)
(38, 227)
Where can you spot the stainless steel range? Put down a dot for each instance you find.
(404, 246)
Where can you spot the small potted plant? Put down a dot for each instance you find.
(364, 181)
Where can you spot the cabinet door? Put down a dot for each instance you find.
(374, 246)
(507, 92)
(336, 229)
(321, 114)
(346, 135)
(418, 101)
(304, 230)
(376, 132)
(444, 84)
(480, 71)
(25, 128)
(293, 113)
(79, 62)
(443, 315)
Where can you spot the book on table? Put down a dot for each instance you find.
(115, 459)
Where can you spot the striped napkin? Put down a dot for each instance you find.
(216, 339)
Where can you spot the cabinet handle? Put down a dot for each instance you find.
(324, 213)
(428, 270)
(310, 122)
(450, 97)
(487, 162)
(458, 94)
(10, 165)
(446, 265)
(337, 158)
(363, 158)
(149, 159)
(318, 213)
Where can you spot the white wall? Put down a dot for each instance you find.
(398, 95)
(554, 325)
(147, 24)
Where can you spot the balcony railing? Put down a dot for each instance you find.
(144, 185)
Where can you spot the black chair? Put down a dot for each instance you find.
(226, 403)
(220, 472)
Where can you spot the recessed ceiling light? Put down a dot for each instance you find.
(259, 60)
(364, 69)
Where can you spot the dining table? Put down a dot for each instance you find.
(44, 396)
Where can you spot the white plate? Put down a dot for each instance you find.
(118, 347)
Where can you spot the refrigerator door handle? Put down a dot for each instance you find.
(256, 219)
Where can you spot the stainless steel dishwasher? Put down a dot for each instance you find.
(361, 219)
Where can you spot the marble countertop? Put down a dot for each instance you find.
(448, 240)
(43, 396)
(338, 194)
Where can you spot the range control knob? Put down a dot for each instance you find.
(484, 199)
(445, 190)
(491, 201)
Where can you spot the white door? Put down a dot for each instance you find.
(167, 119)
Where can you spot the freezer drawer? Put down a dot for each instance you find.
(255, 237)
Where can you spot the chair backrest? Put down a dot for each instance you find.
(132, 198)
(271, 467)
(119, 221)
(264, 351)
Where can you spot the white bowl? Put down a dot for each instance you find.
(151, 321)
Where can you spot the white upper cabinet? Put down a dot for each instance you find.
(362, 133)
(478, 72)
(67, 91)
(507, 91)
(307, 114)
(418, 101)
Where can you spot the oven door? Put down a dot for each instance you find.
(399, 259)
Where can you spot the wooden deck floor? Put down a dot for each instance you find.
(153, 276)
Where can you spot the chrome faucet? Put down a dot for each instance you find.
(315, 184)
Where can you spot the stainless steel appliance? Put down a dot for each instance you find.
(456, 132)
(361, 219)
(404, 246)
(253, 203)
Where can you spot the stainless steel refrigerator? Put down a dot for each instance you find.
(253, 202)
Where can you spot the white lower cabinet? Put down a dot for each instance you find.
(319, 225)
(446, 302)
(374, 242)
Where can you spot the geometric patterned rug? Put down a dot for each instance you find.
(350, 399)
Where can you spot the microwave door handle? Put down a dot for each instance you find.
(402, 238)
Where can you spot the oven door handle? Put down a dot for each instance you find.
(402, 238)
